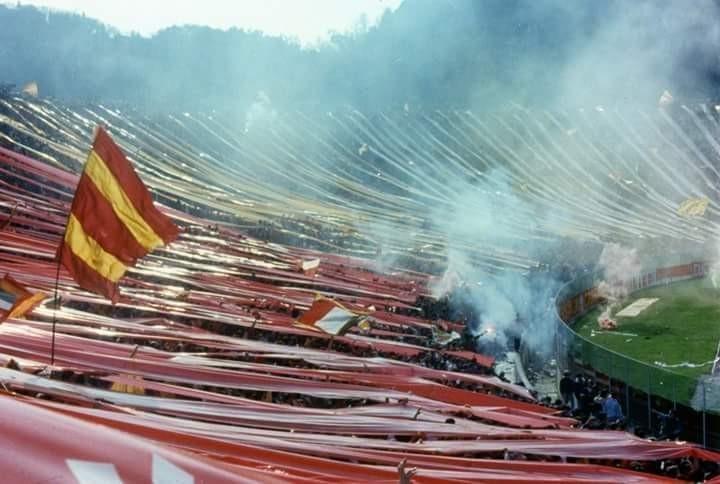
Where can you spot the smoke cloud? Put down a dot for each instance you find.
(260, 112)
(505, 304)
(619, 265)
(537, 53)
(601, 57)
(549, 139)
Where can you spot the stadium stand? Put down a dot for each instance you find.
(202, 371)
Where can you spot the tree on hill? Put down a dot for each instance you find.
(428, 53)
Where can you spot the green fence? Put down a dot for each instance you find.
(643, 389)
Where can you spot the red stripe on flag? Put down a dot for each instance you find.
(318, 310)
(10, 285)
(133, 187)
(87, 277)
(97, 217)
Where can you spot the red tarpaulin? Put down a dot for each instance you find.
(229, 389)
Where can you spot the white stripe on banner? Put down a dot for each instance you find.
(334, 320)
(6, 300)
(86, 472)
(163, 472)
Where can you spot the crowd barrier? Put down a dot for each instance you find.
(644, 390)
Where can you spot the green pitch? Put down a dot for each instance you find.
(683, 326)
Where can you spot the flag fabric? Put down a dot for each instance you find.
(444, 338)
(16, 300)
(113, 221)
(694, 207)
(31, 89)
(126, 387)
(330, 317)
(309, 267)
(666, 99)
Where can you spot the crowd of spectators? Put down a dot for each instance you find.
(590, 402)
(685, 468)
(596, 407)
(582, 397)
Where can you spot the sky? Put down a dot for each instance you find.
(309, 21)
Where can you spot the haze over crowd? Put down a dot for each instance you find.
(425, 55)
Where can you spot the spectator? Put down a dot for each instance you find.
(405, 474)
(670, 426)
(578, 393)
(611, 409)
(566, 388)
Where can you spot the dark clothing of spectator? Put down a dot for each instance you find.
(566, 389)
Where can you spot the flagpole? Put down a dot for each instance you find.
(56, 298)
(57, 276)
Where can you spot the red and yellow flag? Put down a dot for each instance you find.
(112, 222)
(16, 300)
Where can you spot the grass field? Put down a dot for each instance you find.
(683, 326)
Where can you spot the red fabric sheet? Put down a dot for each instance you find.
(230, 280)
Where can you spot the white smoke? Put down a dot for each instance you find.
(619, 265)
(458, 267)
(260, 112)
(714, 269)
(505, 303)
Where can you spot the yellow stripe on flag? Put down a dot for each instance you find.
(89, 251)
(108, 185)
(24, 306)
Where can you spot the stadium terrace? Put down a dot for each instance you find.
(226, 358)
